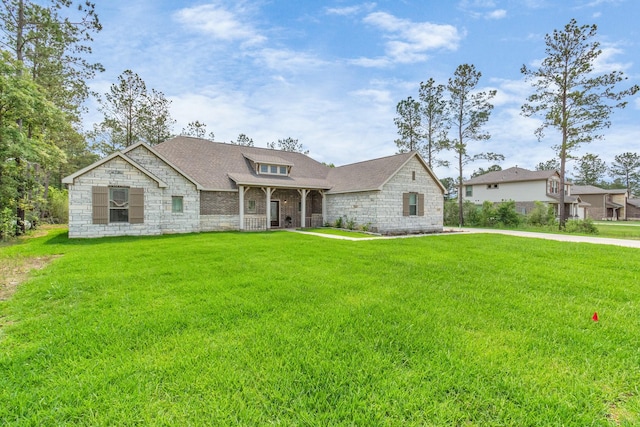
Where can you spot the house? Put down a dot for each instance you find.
(633, 208)
(607, 204)
(524, 187)
(190, 185)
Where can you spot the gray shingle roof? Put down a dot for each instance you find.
(514, 174)
(367, 175)
(634, 202)
(592, 189)
(215, 165)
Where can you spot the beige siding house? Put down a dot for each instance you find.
(189, 185)
(524, 187)
(607, 204)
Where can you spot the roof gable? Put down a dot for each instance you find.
(165, 160)
(70, 179)
(373, 174)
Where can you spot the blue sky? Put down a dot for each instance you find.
(330, 73)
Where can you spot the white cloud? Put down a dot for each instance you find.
(409, 41)
(350, 10)
(497, 14)
(220, 23)
(605, 62)
(376, 95)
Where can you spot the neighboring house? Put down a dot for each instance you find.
(605, 204)
(524, 187)
(189, 185)
(633, 209)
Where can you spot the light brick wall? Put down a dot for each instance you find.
(390, 219)
(158, 215)
(219, 222)
(117, 172)
(177, 185)
(360, 207)
(383, 209)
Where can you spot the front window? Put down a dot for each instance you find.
(264, 168)
(118, 204)
(468, 190)
(554, 186)
(176, 204)
(413, 204)
(251, 208)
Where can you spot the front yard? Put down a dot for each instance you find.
(291, 329)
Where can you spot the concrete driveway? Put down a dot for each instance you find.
(549, 236)
(452, 231)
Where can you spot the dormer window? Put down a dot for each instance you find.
(267, 169)
(269, 164)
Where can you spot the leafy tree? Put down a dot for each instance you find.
(506, 214)
(52, 43)
(409, 125)
(470, 110)
(28, 123)
(131, 115)
(549, 165)
(450, 185)
(156, 122)
(434, 121)
(243, 140)
(541, 215)
(488, 214)
(124, 109)
(482, 171)
(626, 166)
(572, 98)
(590, 170)
(197, 129)
(288, 144)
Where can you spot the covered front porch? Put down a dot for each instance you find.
(264, 208)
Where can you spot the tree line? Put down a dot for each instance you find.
(572, 100)
(45, 67)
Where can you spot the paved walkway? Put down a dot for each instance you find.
(558, 237)
(455, 230)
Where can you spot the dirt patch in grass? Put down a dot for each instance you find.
(14, 271)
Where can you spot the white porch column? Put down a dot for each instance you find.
(303, 207)
(268, 192)
(324, 207)
(241, 201)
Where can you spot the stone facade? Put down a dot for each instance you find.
(188, 220)
(163, 184)
(158, 215)
(382, 210)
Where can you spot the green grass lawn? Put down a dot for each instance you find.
(292, 329)
(620, 230)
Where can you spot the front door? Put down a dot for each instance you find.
(275, 213)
